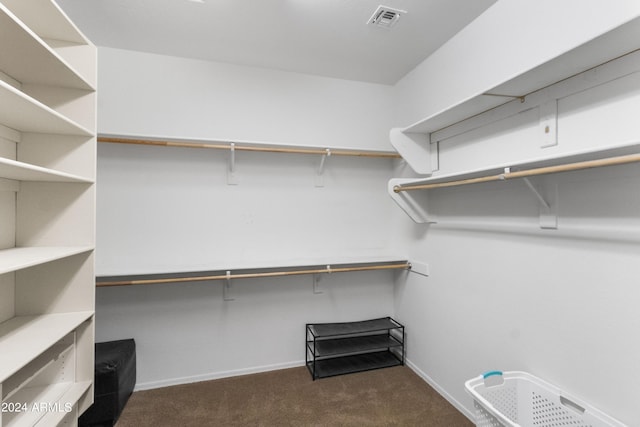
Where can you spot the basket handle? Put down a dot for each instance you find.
(573, 405)
(493, 378)
(491, 374)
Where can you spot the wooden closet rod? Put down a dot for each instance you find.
(267, 149)
(404, 265)
(611, 161)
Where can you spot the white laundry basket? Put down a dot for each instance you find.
(513, 399)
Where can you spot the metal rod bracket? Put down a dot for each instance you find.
(316, 284)
(320, 172)
(535, 191)
(548, 206)
(226, 288)
(232, 177)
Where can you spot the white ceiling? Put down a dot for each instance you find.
(320, 37)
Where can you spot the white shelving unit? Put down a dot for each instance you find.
(47, 211)
(610, 56)
(413, 141)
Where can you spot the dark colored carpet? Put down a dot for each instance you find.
(288, 397)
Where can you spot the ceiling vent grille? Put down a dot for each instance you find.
(385, 16)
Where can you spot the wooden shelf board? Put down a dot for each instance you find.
(28, 59)
(18, 258)
(23, 338)
(11, 169)
(25, 114)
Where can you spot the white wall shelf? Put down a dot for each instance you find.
(47, 363)
(47, 124)
(28, 59)
(611, 45)
(256, 271)
(56, 395)
(611, 56)
(57, 26)
(415, 205)
(11, 169)
(72, 394)
(236, 145)
(23, 338)
(543, 161)
(14, 259)
(23, 113)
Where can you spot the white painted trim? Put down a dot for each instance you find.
(216, 375)
(459, 406)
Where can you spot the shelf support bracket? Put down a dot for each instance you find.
(320, 173)
(548, 206)
(226, 288)
(316, 284)
(535, 191)
(413, 203)
(232, 178)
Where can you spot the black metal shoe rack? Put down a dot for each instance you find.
(343, 348)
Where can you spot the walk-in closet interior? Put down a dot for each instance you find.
(237, 186)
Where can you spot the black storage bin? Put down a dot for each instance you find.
(115, 377)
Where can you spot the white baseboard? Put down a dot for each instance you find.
(216, 375)
(459, 406)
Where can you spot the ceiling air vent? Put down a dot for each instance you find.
(385, 16)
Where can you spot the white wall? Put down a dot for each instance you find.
(170, 209)
(149, 95)
(504, 293)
